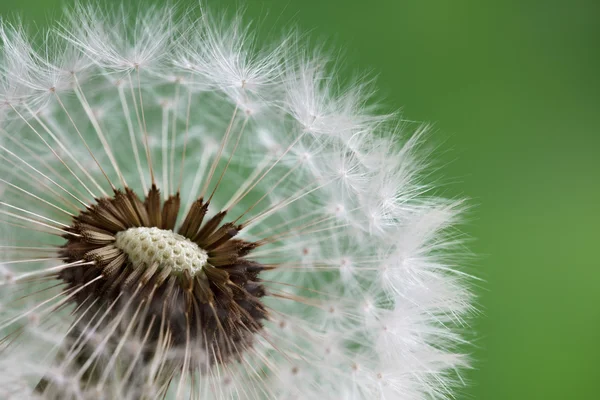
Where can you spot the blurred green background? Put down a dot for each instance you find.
(514, 90)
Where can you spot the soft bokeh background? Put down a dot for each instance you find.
(514, 90)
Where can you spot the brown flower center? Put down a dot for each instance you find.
(194, 283)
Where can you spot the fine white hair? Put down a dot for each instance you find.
(366, 296)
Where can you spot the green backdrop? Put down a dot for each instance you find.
(514, 91)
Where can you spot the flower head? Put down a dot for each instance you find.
(186, 214)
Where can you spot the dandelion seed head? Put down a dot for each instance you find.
(186, 212)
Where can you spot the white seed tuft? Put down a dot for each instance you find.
(364, 296)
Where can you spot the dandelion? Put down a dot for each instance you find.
(185, 214)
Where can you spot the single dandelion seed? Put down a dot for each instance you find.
(185, 214)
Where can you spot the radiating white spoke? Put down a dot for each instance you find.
(64, 108)
(92, 118)
(36, 197)
(132, 139)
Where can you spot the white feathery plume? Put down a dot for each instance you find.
(185, 213)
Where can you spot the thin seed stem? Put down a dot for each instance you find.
(215, 162)
(107, 335)
(36, 197)
(83, 140)
(271, 189)
(30, 260)
(41, 174)
(237, 142)
(136, 153)
(38, 223)
(247, 182)
(165, 152)
(34, 214)
(187, 131)
(204, 159)
(173, 133)
(142, 127)
(186, 357)
(109, 366)
(81, 340)
(51, 270)
(64, 300)
(90, 113)
(282, 205)
(50, 127)
(54, 152)
(289, 148)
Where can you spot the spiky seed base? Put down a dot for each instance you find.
(212, 303)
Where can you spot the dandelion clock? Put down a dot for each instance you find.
(187, 214)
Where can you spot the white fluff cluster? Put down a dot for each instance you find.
(365, 302)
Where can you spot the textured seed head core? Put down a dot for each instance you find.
(196, 286)
(150, 245)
